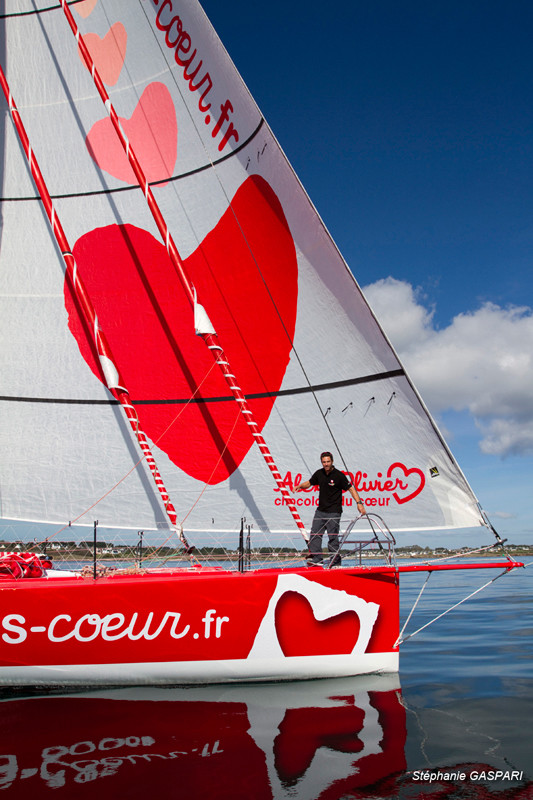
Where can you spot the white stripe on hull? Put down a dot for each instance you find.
(194, 672)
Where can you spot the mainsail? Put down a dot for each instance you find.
(306, 350)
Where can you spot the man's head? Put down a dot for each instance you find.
(327, 460)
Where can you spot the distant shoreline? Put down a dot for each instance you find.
(425, 556)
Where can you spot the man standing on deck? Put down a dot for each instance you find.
(331, 484)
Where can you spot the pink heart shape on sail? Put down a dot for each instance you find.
(85, 8)
(246, 275)
(411, 493)
(152, 131)
(108, 53)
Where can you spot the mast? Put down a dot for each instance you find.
(203, 325)
(112, 376)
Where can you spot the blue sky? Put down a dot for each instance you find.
(410, 125)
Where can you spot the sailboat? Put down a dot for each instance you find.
(182, 339)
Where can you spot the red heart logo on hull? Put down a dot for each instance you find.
(301, 634)
(245, 273)
(154, 112)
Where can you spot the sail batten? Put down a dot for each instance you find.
(119, 189)
(220, 399)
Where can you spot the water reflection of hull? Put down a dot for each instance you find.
(270, 741)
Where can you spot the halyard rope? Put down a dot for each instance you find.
(210, 338)
(109, 369)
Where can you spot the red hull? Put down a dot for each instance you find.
(199, 626)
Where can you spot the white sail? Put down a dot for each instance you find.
(304, 346)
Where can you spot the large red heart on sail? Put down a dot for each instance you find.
(245, 274)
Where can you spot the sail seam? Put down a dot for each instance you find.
(321, 387)
(163, 181)
(35, 11)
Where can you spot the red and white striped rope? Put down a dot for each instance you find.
(210, 339)
(110, 371)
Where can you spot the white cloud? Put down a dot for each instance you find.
(482, 362)
(502, 515)
(504, 436)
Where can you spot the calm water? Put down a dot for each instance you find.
(455, 723)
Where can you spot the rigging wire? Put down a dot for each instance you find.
(206, 484)
(483, 549)
(401, 639)
(397, 642)
(137, 464)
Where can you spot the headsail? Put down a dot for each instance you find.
(306, 350)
